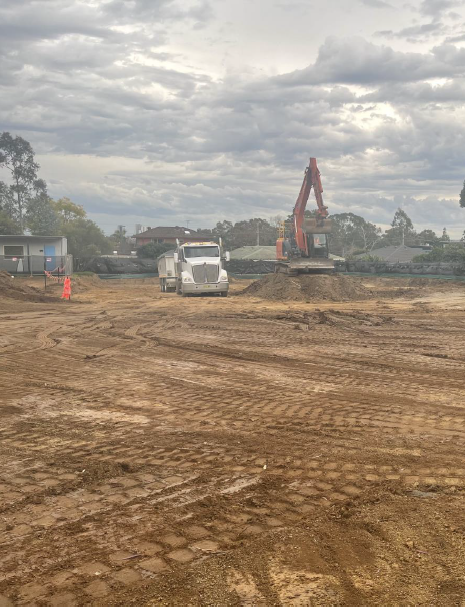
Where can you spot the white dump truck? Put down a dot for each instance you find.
(167, 272)
(199, 269)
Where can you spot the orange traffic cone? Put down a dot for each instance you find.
(66, 289)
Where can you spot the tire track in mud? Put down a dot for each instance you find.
(292, 406)
(179, 522)
(193, 478)
(182, 534)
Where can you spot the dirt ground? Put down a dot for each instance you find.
(156, 450)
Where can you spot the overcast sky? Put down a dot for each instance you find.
(161, 112)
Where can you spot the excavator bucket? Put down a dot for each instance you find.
(320, 226)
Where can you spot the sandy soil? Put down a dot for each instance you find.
(156, 450)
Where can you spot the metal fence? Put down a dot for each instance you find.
(58, 265)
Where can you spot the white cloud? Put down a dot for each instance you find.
(161, 111)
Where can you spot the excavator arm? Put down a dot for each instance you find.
(312, 179)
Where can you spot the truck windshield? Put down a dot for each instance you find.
(201, 252)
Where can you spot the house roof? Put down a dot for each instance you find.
(170, 232)
(258, 253)
(255, 253)
(396, 254)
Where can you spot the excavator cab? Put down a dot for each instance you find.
(318, 242)
(316, 232)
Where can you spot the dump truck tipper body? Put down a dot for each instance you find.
(199, 269)
(167, 272)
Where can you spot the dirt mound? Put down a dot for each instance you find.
(279, 287)
(84, 283)
(14, 288)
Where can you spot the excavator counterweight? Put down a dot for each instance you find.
(302, 246)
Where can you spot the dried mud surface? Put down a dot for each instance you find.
(156, 450)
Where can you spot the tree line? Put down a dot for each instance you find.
(26, 205)
(351, 233)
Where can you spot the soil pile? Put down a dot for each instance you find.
(81, 284)
(14, 288)
(279, 287)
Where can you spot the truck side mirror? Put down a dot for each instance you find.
(227, 256)
(176, 258)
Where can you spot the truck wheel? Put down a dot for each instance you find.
(224, 293)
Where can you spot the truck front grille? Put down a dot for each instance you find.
(207, 272)
(212, 272)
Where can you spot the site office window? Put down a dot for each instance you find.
(12, 250)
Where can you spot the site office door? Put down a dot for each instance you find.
(49, 252)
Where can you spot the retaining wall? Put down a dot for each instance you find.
(379, 267)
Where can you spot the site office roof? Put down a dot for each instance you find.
(26, 237)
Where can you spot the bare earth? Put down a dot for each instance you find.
(156, 450)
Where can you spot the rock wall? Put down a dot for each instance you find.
(134, 265)
(238, 266)
(115, 265)
(379, 267)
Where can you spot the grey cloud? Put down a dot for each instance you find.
(172, 143)
(141, 10)
(457, 38)
(416, 33)
(49, 20)
(376, 3)
(295, 6)
(201, 13)
(452, 92)
(436, 8)
(425, 211)
(450, 55)
(356, 61)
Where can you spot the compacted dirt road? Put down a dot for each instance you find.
(164, 451)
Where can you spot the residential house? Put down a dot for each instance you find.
(169, 235)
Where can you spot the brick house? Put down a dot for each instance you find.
(164, 235)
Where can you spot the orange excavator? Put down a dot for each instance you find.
(302, 245)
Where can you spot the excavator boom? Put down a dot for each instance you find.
(307, 249)
(312, 179)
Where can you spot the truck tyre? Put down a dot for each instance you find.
(224, 293)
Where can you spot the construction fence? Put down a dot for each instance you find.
(57, 265)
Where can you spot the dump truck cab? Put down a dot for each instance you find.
(199, 269)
